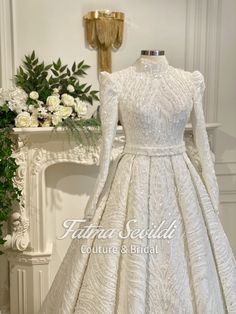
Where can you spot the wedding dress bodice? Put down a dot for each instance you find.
(154, 102)
(151, 114)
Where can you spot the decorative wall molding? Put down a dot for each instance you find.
(195, 43)
(202, 42)
(7, 42)
(214, 8)
(228, 197)
(225, 168)
(226, 172)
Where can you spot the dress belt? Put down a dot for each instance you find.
(155, 150)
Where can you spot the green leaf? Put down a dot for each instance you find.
(48, 67)
(33, 55)
(80, 72)
(82, 86)
(27, 65)
(59, 63)
(63, 76)
(21, 71)
(74, 67)
(62, 69)
(87, 88)
(2, 241)
(80, 64)
(28, 59)
(55, 72)
(85, 67)
(35, 62)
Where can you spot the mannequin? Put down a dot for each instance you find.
(151, 181)
(155, 55)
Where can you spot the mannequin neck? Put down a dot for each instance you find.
(154, 55)
(153, 58)
(153, 65)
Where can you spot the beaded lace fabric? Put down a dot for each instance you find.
(152, 180)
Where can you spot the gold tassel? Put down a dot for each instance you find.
(104, 31)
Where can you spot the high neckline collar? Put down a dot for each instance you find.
(153, 66)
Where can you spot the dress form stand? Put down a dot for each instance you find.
(155, 55)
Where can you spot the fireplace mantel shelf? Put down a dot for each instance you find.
(209, 126)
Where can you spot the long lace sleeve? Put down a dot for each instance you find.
(109, 118)
(201, 140)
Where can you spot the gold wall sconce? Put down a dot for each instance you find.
(104, 31)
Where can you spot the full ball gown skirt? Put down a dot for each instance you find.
(152, 181)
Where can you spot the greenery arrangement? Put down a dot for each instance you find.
(9, 194)
(45, 95)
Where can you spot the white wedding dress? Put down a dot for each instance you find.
(152, 180)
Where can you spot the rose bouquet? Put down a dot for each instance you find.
(56, 109)
(49, 95)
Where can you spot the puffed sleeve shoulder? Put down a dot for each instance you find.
(198, 82)
(108, 111)
(201, 140)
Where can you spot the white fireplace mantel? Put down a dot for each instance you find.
(29, 241)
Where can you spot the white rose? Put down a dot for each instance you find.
(70, 88)
(34, 95)
(67, 100)
(23, 120)
(53, 102)
(56, 118)
(80, 107)
(34, 122)
(65, 112)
